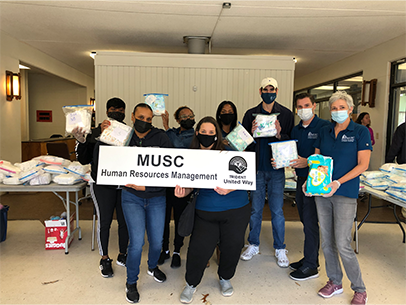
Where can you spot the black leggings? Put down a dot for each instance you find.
(227, 228)
(178, 205)
(106, 199)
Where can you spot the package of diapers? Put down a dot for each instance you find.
(8, 169)
(42, 179)
(379, 184)
(30, 174)
(239, 138)
(373, 174)
(284, 152)
(396, 194)
(396, 179)
(387, 167)
(320, 175)
(290, 184)
(117, 134)
(265, 125)
(55, 169)
(67, 179)
(401, 187)
(156, 101)
(78, 116)
(54, 160)
(27, 165)
(14, 180)
(76, 168)
(290, 173)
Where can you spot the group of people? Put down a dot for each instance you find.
(222, 215)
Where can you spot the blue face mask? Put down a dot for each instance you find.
(268, 98)
(339, 116)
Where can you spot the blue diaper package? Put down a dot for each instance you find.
(320, 175)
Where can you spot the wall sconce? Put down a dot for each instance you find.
(369, 92)
(13, 86)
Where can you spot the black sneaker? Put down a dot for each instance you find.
(175, 260)
(163, 257)
(296, 265)
(121, 259)
(158, 275)
(303, 274)
(132, 295)
(105, 267)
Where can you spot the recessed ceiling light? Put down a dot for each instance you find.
(92, 54)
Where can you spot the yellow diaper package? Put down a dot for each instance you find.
(320, 175)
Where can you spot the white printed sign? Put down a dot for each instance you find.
(168, 167)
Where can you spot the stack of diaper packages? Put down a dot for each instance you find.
(239, 138)
(396, 177)
(320, 175)
(42, 170)
(290, 178)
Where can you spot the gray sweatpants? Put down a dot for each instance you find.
(336, 217)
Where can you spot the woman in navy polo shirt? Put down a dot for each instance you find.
(349, 144)
(221, 217)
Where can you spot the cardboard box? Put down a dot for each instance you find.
(56, 232)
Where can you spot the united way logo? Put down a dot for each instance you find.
(237, 165)
(347, 139)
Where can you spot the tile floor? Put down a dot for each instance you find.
(25, 266)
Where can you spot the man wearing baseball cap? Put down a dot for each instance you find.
(268, 177)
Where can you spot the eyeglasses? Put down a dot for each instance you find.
(185, 117)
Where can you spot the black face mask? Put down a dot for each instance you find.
(116, 115)
(206, 140)
(141, 126)
(187, 124)
(227, 118)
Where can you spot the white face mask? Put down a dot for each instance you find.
(305, 113)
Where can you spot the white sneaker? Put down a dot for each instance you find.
(281, 255)
(186, 296)
(249, 252)
(226, 288)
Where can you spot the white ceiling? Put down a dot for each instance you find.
(316, 33)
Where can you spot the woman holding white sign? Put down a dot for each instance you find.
(144, 207)
(221, 217)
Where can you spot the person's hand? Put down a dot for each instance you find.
(165, 120)
(104, 125)
(335, 185)
(299, 163)
(273, 163)
(304, 190)
(278, 129)
(136, 187)
(180, 192)
(222, 191)
(254, 126)
(79, 134)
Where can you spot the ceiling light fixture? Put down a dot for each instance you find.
(92, 54)
(24, 67)
(196, 44)
(295, 60)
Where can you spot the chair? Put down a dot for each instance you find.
(56, 135)
(59, 149)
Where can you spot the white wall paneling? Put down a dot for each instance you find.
(216, 78)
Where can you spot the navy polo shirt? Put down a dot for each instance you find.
(306, 136)
(344, 151)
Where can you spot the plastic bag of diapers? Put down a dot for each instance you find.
(156, 101)
(320, 175)
(117, 134)
(265, 125)
(239, 138)
(284, 152)
(78, 116)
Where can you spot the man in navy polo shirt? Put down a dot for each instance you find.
(267, 177)
(306, 133)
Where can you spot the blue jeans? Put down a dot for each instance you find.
(275, 181)
(141, 214)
